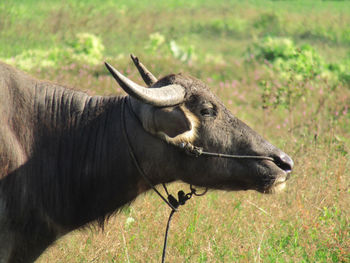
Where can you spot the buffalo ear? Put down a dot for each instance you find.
(171, 120)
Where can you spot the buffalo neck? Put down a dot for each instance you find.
(80, 168)
(83, 143)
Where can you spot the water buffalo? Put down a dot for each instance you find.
(64, 162)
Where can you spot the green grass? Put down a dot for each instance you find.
(38, 24)
(309, 222)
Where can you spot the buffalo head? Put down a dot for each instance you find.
(180, 109)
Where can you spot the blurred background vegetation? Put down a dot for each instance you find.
(281, 66)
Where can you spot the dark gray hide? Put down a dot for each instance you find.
(64, 162)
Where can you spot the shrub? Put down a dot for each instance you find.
(182, 53)
(155, 41)
(342, 69)
(300, 63)
(293, 70)
(85, 48)
(272, 48)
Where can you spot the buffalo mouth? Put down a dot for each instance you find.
(278, 185)
(275, 182)
(274, 185)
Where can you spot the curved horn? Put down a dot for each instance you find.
(164, 96)
(146, 75)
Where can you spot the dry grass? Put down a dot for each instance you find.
(309, 217)
(309, 221)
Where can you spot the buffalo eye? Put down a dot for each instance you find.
(208, 111)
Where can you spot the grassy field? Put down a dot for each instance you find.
(281, 66)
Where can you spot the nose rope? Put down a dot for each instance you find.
(190, 149)
(172, 202)
(133, 157)
(198, 151)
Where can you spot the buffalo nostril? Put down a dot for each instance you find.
(284, 162)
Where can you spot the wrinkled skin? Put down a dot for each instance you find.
(65, 163)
